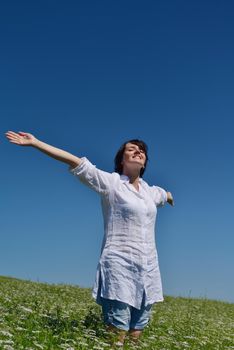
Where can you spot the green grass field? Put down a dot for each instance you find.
(42, 316)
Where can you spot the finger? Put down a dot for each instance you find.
(11, 133)
(16, 142)
(13, 137)
(10, 137)
(22, 133)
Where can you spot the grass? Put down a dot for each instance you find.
(37, 316)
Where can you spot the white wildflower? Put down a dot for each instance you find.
(26, 309)
(8, 342)
(189, 337)
(103, 343)
(8, 347)
(6, 333)
(38, 345)
(83, 343)
(20, 328)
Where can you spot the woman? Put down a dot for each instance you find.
(128, 280)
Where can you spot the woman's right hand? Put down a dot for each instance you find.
(21, 138)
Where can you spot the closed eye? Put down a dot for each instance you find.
(135, 149)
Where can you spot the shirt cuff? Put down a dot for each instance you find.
(78, 169)
(164, 193)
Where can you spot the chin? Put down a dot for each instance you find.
(137, 163)
(136, 166)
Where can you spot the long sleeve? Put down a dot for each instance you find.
(99, 180)
(159, 196)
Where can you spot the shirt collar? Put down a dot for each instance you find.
(125, 178)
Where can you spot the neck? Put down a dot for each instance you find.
(134, 176)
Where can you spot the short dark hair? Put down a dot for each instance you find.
(119, 155)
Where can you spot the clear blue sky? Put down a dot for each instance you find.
(88, 75)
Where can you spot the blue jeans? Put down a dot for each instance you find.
(124, 316)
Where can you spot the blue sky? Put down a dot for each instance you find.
(86, 76)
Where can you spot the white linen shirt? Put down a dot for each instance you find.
(128, 264)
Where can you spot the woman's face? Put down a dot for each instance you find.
(133, 156)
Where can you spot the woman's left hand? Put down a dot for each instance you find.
(170, 199)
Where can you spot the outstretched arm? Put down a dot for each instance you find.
(26, 139)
